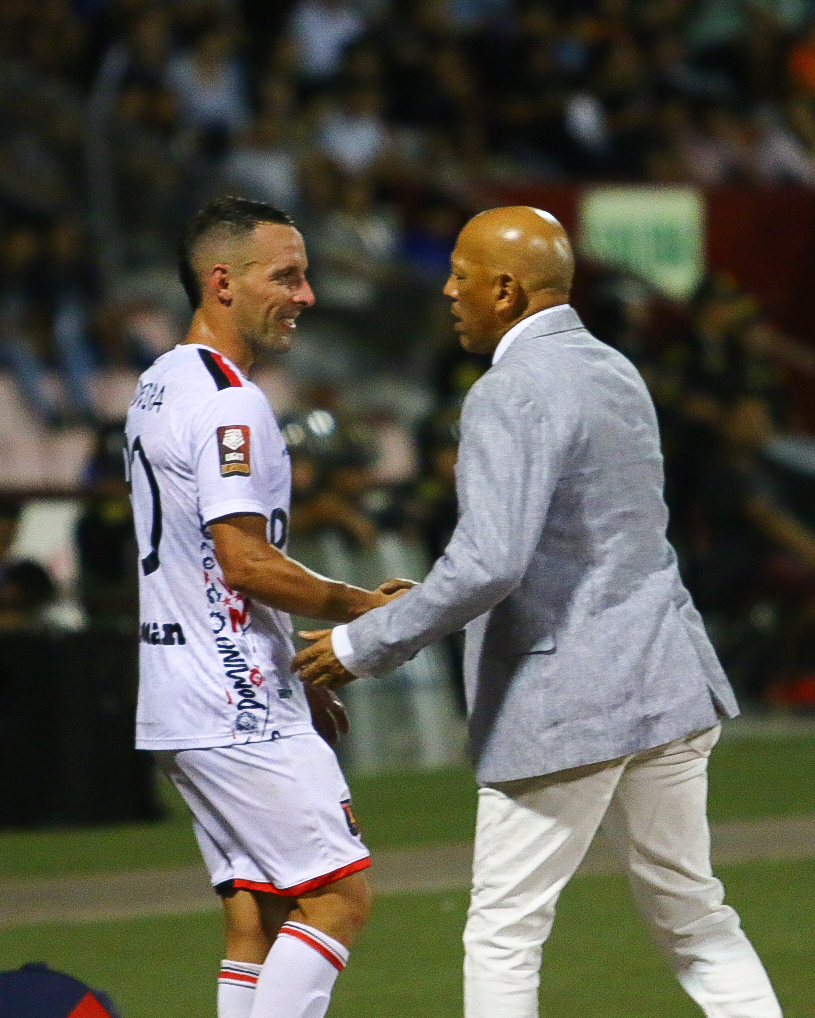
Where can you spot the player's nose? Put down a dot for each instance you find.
(305, 294)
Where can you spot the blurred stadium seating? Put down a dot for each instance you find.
(382, 125)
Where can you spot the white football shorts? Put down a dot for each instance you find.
(269, 816)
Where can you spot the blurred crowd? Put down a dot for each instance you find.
(376, 123)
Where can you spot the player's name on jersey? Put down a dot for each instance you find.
(168, 634)
(149, 396)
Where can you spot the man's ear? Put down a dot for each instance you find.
(511, 299)
(219, 284)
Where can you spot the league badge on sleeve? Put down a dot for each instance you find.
(234, 441)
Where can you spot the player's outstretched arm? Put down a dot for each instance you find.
(256, 569)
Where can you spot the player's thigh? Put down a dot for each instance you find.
(246, 913)
(278, 813)
(252, 921)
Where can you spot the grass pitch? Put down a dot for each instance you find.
(598, 962)
(749, 778)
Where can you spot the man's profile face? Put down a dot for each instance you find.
(269, 287)
(471, 286)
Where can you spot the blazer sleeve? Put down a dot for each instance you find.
(509, 463)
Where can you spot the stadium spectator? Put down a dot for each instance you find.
(264, 165)
(749, 546)
(71, 286)
(431, 503)
(105, 540)
(354, 249)
(801, 61)
(26, 589)
(353, 133)
(319, 31)
(781, 157)
(34, 335)
(209, 83)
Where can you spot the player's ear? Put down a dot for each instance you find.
(219, 284)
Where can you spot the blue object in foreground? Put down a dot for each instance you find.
(36, 991)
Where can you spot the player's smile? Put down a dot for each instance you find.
(289, 319)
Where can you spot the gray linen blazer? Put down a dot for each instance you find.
(582, 644)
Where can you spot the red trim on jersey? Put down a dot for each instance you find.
(89, 1007)
(230, 374)
(307, 885)
(318, 946)
(241, 977)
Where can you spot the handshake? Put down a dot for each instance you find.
(317, 664)
(322, 673)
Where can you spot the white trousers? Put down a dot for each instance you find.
(531, 836)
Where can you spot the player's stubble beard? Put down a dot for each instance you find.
(268, 335)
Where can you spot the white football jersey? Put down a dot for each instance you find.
(202, 443)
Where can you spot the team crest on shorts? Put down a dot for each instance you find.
(350, 819)
(246, 722)
(234, 442)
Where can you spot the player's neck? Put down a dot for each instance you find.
(220, 338)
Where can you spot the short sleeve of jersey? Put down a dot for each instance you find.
(238, 455)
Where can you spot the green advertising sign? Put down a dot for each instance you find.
(655, 232)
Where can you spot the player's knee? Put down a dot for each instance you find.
(352, 905)
(341, 909)
(358, 901)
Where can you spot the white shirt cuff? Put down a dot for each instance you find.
(343, 651)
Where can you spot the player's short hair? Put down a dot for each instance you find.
(226, 217)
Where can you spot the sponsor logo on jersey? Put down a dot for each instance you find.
(167, 634)
(245, 680)
(234, 442)
(246, 722)
(285, 694)
(229, 611)
(350, 819)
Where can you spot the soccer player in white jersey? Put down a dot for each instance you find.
(218, 705)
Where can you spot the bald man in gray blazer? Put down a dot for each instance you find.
(594, 695)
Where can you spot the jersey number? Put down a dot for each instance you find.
(279, 528)
(150, 562)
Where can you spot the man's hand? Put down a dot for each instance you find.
(317, 665)
(327, 713)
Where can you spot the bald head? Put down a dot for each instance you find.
(508, 264)
(525, 242)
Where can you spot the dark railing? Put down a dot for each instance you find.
(67, 708)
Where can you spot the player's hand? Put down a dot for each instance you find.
(395, 586)
(318, 665)
(327, 713)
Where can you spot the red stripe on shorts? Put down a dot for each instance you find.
(307, 885)
(312, 942)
